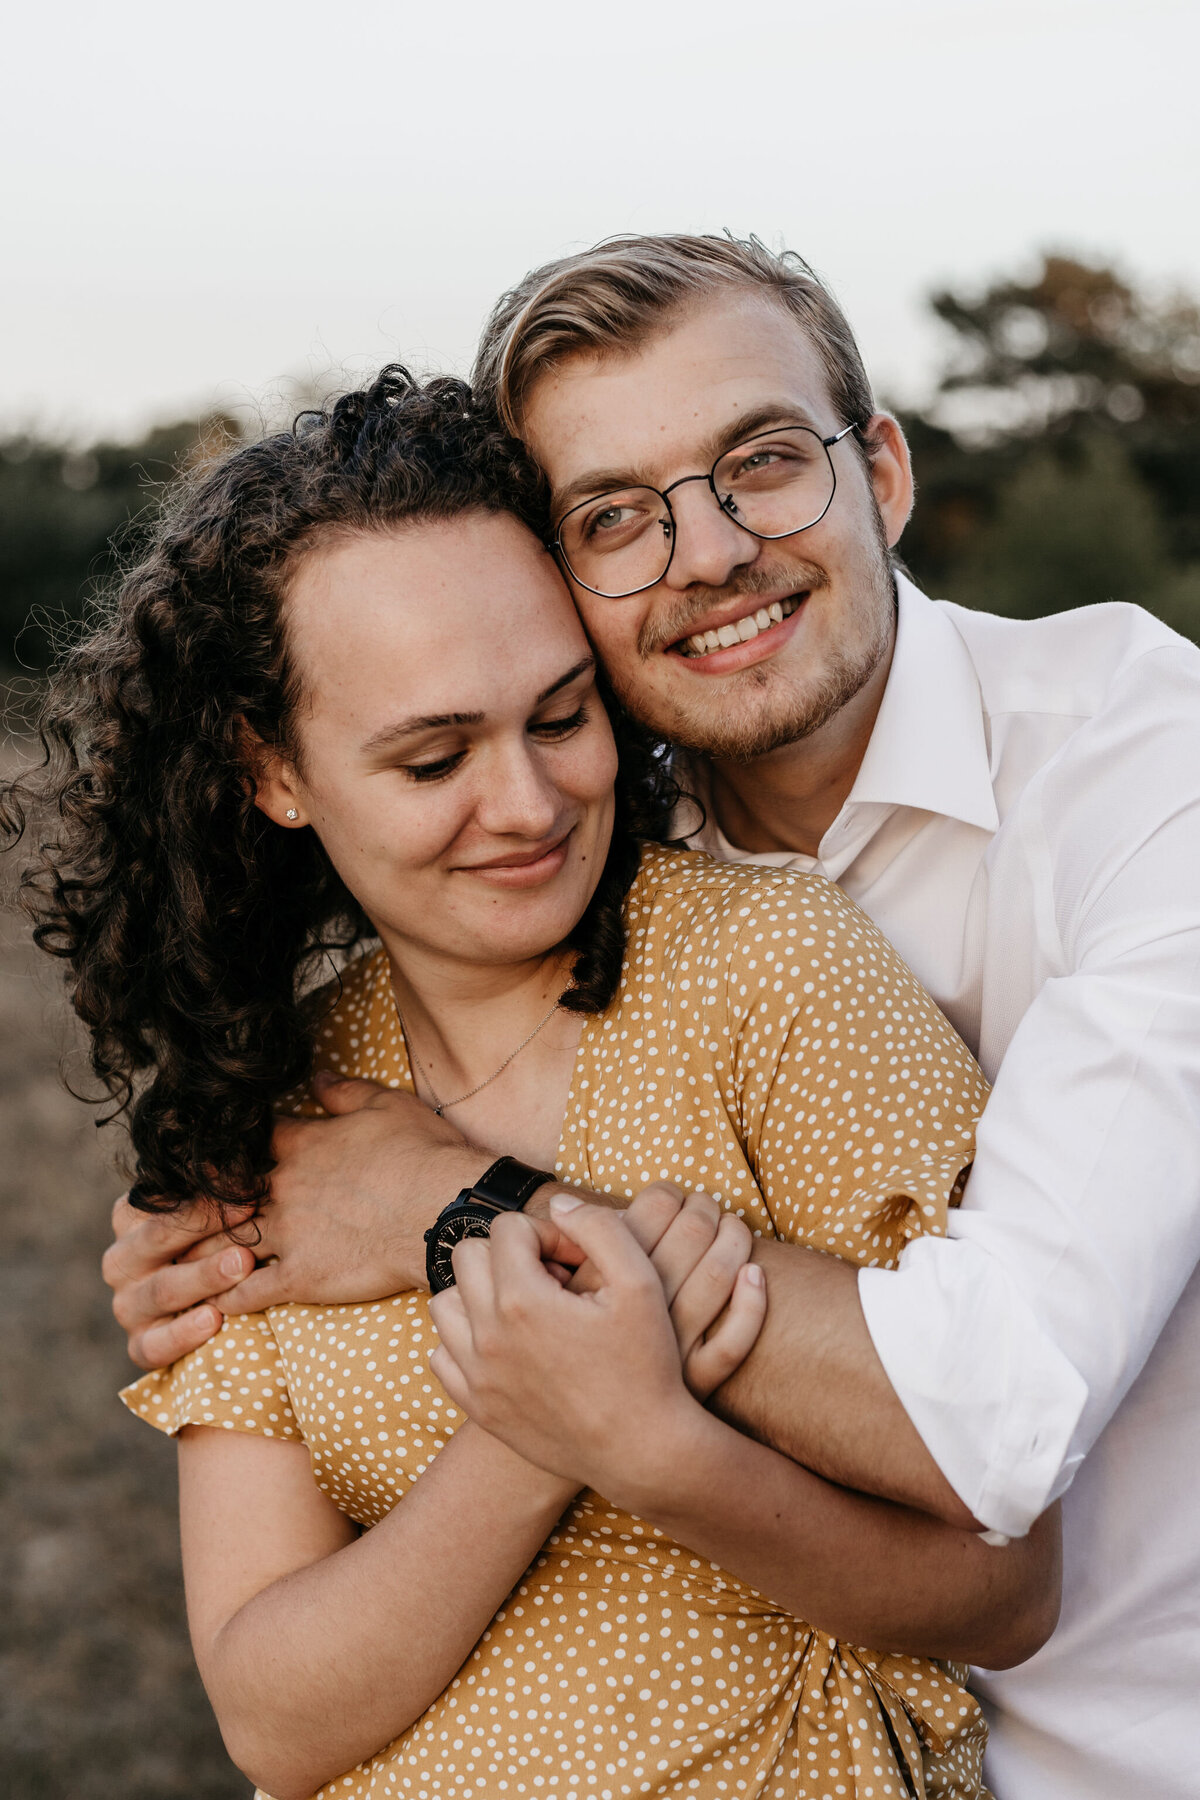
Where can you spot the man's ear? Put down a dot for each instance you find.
(891, 473)
(272, 780)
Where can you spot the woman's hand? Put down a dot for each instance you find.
(584, 1383)
(697, 1251)
(698, 1257)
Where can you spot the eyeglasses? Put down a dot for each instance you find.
(773, 485)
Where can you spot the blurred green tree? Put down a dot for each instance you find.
(64, 515)
(1059, 458)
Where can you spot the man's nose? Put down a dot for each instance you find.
(709, 547)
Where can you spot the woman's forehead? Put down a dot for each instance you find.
(457, 612)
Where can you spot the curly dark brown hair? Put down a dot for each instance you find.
(194, 927)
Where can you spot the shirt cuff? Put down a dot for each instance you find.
(995, 1401)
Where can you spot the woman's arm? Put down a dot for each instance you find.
(589, 1385)
(318, 1646)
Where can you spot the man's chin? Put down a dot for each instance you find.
(753, 717)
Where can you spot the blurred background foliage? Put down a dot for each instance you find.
(1058, 464)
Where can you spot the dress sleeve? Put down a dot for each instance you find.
(236, 1380)
(859, 1100)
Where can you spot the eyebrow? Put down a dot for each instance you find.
(391, 735)
(594, 482)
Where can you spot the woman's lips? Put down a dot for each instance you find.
(742, 655)
(529, 872)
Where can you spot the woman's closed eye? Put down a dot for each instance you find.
(548, 730)
(433, 771)
(560, 728)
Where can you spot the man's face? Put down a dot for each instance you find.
(734, 366)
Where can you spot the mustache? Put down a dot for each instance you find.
(680, 620)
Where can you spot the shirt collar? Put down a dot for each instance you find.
(928, 750)
(929, 747)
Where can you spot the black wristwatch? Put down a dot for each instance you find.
(505, 1187)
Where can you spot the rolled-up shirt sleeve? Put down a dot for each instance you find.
(1012, 1341)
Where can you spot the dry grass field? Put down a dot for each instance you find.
(98, 1696)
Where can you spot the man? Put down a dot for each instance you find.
(1018, 807)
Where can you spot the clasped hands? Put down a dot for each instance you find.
(597, 1379)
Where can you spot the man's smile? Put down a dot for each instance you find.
(722, 631)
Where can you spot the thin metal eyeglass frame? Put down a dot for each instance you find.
(555, 543)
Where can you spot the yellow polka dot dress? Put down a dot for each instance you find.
(768, 1046)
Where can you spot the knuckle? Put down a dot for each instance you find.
(662, 1192)
(643, 1281)
(150, 1297)
(703, 1206)
(512, 1307)
(696, 1229)
(736, 1233)
(111, 1272)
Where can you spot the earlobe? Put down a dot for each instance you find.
(274, 796)
(270, 779)
(891, 474)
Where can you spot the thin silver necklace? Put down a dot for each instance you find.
(440, 1106)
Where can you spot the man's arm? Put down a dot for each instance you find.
(589, 1386)
(844, 1420)
(352, 1197)
(1080, 1227)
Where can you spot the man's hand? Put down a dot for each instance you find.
(166, 1270)
(352, 1197)
(576, 1383)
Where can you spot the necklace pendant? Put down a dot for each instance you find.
(437, 1112)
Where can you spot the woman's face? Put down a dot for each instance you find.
(454, 757)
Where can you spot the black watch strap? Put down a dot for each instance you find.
(507, 1185)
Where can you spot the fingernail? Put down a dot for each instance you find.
(565, 1203)
(208, 1317)
(231, 1263)
(754, 1275)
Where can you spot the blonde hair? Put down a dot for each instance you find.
(618, 294)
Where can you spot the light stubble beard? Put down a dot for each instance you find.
(741, 731)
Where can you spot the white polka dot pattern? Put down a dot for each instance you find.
(765, 1045)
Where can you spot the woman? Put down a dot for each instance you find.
(346, 696)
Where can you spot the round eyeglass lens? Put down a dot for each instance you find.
(619, 542)
(776, 484)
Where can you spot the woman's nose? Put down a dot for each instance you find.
(519, 798)
(709, 547)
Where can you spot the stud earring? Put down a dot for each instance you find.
(292, 813)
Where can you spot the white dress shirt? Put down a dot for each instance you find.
(1025, 827)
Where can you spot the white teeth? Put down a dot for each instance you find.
(726, 635)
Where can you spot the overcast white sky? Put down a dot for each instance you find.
(202, 200)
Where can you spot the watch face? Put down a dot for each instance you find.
(465, 1221)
